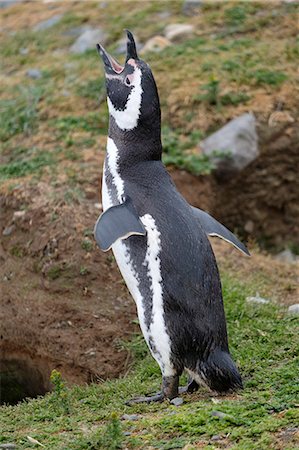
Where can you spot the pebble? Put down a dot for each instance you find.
(219, 414)
(130, 417)
(11, 446)
(155, 44)
(216, 437)
(191, 7)
(18, 214)
(177, 401)
(257, 299)
(8, 230)
(23, 51)
(178, 32)
(34, 73)
(286, 256)
(45, 24)
(294, 309)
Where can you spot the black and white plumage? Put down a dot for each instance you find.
(159, 241)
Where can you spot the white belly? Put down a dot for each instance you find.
(155, 334)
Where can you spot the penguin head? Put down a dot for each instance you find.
(132, 95)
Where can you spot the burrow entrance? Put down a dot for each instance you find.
(22, 376)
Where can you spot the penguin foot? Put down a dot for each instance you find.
(158, 397)
(192, 386)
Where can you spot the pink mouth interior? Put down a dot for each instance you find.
(115, 66)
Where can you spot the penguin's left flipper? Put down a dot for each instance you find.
(118, 222)
(213, 228)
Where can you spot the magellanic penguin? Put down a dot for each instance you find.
(159, 241)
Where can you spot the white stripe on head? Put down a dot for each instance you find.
(157, 329)
(127, 118)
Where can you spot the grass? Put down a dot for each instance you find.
(264, 342)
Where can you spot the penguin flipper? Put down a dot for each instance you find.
(213, 228)
(117, 222)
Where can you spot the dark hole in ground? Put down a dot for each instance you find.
(19, 379)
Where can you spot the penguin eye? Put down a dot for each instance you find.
(127, 81)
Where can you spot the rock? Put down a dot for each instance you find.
(219, 414)
(23, 51)
(216, 437)
(164, 15)
(18, 215)
(130, 417)
(75, 31)
(45, 24)
(294, 309)
(178, 32)
(8, 230)
(11, 446)
(191, 7)
(238, 138)
(155, 44)
(6, 4)
(286, 256)
(257, 299)
(177, 401)
(88, 40)
(34, 73)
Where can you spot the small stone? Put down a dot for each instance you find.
(177, 401)
(8, 230)
(164, 15)
(45, 24)
(219, 414)
(130, 417)
(6, 4)
(178, 32)
(75, 31)
(18, 214)
(23, 51)
(216, 437)
(191, 7)
(294, 309)
(88, 40)
(98, 206)
(155, 44)
(257, 299)
(127, 433)
(238, 138)
(286, 256)
(11, 446)
(249, 226)
(34, 73)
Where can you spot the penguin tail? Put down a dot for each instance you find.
(219, 372)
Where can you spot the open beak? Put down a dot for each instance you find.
(111, 65)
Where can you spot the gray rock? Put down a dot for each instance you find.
(219, 414)
(257, 299)
(177, 401)
(11, 446)
(75, 31)
(130, 417)
(239, 139)
(286, 256)
(178, 32)
(23, 51)
(216, 437)
(164, 15)
(191, 7)
(6, 4)
(88, 40)
(8, 230)
(34, 73)
(49, 23)
(294, 309)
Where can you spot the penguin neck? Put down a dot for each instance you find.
(141, 144)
